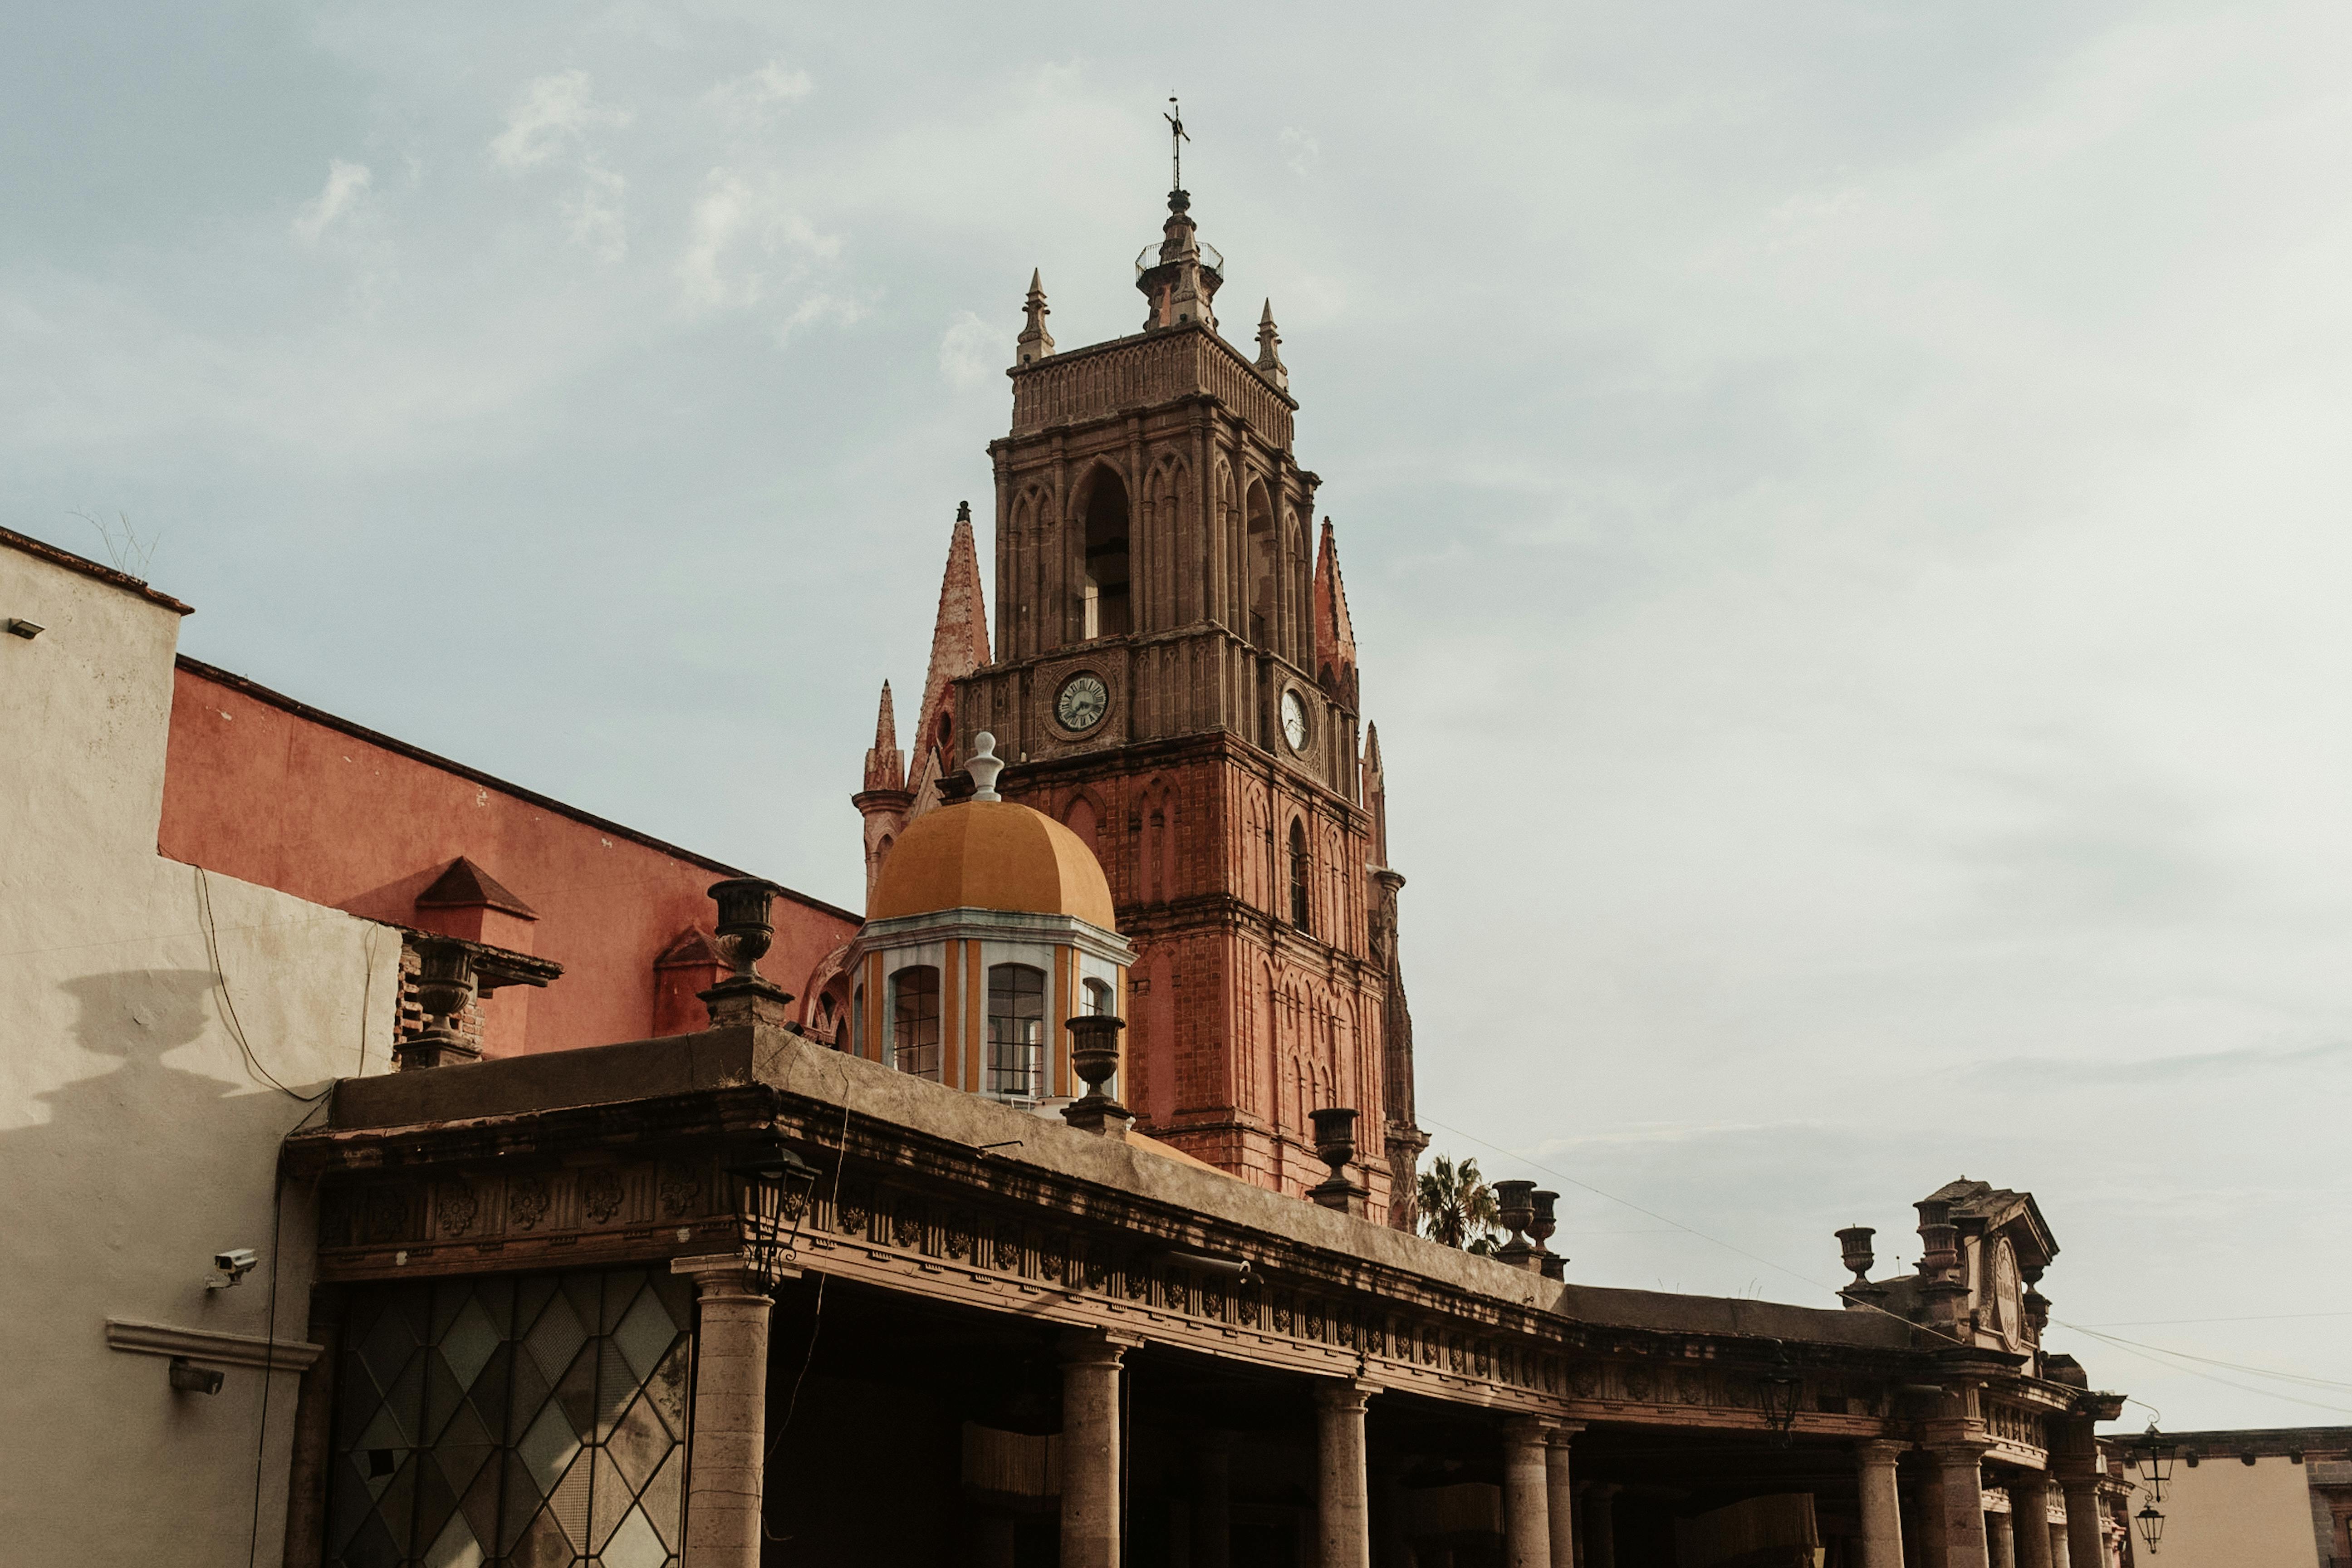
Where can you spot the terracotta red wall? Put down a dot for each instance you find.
(260, 788)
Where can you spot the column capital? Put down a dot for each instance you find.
(1095, 1347)
(1966, 1451)
(1528, 1428)
(720, 1276)
(1563, 1433)
(1344, 1392)
(1880, 1450)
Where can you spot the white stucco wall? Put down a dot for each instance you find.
(136, 1140)
(2225, 1513)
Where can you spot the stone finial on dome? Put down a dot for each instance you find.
(984, 766)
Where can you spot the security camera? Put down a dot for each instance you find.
(187, 1377)
(234, 1266)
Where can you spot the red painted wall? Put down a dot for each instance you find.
(260, 788)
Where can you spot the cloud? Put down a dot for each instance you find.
(598, 216)
(551, 111)
(971, 351)
(1300, 151)
(346, 187)
(759, 96)
(743, 242)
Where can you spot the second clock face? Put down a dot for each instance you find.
(1293, 720)
(1083, 701)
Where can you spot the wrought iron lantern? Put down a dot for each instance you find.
(1777, 1394)
(2151, 1527)
(2155, 1454)
(771, 1191)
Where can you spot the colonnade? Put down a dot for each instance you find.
(1551, 1519)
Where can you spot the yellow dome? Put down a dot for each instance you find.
(992, 854)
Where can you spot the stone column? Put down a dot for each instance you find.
(1342, 1511)
(1527, 1525)
(2060, 1557)
(1882, 1505)
(1212, 1527)
(2000, 1541)
(729, 1420)
(1960, 1487)
(1090, 1450)
(2029, 1518)
(1560, 1495)
(2086, 1544)
(1600, 1525)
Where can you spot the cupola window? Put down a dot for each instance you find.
(915, 1021)
(1016, 1031)
(1097, 997)
(857, 1021)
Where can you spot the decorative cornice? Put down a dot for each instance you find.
(210, 1345)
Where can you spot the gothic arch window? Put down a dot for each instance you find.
(1105, 608)
(857, 1021)
(1302, 878)
(1016, 1031)
(915, 1021)
(1260, 513)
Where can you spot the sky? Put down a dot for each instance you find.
(1844, 508)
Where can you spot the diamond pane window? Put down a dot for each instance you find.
(517, 1423)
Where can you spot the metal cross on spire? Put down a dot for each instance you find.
(1176, 140)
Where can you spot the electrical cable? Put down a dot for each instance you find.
(220, 983)
(270, 1328)
(816, 1321)
(2146, 1352)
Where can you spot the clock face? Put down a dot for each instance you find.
(1293, 720)
(1083, 701)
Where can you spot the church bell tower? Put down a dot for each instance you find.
(1174, 678)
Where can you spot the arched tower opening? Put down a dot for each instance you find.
(1107, 606)
(1259, 512)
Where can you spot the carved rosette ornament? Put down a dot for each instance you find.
(600, 1194)
(527, 1202)
(1008, 1254)
(457, 1206)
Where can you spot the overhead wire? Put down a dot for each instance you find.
(2145, 1351)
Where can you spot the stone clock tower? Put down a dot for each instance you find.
(1174, 678)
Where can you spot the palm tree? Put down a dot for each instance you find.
(1457, 1206)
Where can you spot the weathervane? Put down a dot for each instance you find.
(1176, 140)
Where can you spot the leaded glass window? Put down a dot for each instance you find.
(1016, 1030)
(533, 1421)
(915, 1021)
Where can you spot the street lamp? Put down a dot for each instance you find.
(2156, 1460)
(2151, 1527)
(770, 1192)
(1778, 1394)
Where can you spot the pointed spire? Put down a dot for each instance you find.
(1035, 343)
(1334, 634)
(959, 646)
(886, 764)
(1269, 353)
